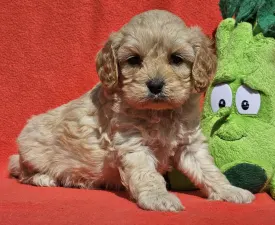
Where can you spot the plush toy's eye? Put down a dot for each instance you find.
(221, 96)
(248, 101)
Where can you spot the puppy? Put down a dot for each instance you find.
(139, 121)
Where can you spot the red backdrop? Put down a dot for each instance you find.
(48, 47)
(47, 52)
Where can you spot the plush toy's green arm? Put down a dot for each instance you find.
(254, 175)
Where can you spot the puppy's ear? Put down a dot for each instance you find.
(106, 62)
(204, 65)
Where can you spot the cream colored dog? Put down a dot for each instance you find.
(141, 119)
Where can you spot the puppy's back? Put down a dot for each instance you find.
(40, 141)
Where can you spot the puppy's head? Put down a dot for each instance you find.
(155, 61)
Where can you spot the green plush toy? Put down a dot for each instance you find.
(239, 111)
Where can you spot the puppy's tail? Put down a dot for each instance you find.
(14, 166)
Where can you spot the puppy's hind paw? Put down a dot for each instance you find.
(232, 194)
(160, 202)
(38, 179)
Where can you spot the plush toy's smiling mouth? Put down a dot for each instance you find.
(229, 137)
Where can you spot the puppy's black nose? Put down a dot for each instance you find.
(155, 86)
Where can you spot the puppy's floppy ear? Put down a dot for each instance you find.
(204, 65)
(106, 62)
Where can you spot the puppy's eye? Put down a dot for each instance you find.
(134, 60)
(176, 59)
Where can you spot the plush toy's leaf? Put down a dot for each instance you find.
(266, 18)
(229, 7)
(248, 10)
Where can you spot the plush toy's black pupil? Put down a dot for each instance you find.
(245, 105)
(222, 103)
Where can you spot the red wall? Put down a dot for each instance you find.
(48, 47)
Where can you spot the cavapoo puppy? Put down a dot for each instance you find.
(141, 119)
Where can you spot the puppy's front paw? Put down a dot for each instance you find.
(160, 202)
(232, 194)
